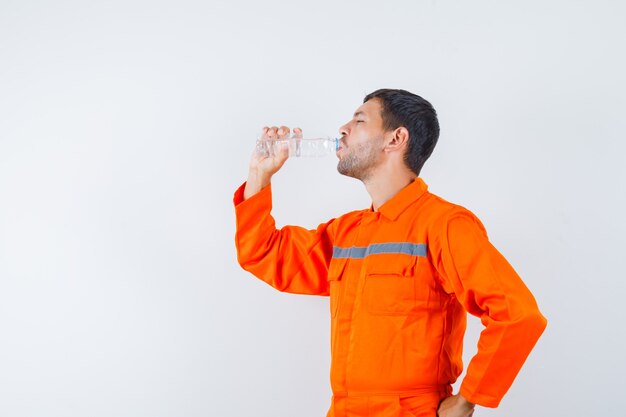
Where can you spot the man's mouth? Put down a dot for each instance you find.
(341, 144)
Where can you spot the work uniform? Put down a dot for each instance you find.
(400, 281)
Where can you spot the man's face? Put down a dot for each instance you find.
(361, 143)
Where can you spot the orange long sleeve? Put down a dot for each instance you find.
(292, 259)
(488, 287)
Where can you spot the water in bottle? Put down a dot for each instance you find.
(298, 147)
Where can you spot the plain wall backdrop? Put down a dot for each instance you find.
(126, 126)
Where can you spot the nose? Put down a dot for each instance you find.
(343, 130)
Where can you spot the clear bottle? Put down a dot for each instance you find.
(298, 147)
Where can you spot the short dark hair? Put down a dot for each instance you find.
(401, 108)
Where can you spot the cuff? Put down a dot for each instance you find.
(479, 399)
(262, 199)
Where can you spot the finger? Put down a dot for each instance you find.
(283, 132)
(264, 132)
(271, 132)
(283, 153)
(297, 132)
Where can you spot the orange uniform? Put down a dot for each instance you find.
(400, 281)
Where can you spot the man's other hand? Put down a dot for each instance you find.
(455, 406)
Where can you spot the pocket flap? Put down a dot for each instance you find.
(392, 264)
(336, 267)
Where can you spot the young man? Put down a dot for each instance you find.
(401, 275)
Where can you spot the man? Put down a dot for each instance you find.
(401, 275)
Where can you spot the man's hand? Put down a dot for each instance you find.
(455, 406)
(263, 167)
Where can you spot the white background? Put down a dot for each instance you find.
(126, 126)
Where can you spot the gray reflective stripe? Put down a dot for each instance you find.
(355, 252)
(360, 252)
(413, 249)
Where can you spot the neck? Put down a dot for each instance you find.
(384, 185)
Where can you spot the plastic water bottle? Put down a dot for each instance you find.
(297, 146)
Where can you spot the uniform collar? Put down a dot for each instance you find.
(403, 199)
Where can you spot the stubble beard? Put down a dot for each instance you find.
(359, 163)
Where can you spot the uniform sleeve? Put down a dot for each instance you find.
(292, 259)
(488, 287)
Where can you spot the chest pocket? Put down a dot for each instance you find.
(335, 275)
(392, 285)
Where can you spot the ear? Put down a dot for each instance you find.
(398, 140)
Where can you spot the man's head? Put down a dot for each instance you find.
(389, 122)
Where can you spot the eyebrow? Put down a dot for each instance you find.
(359, 113)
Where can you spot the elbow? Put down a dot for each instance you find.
(531, 324)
